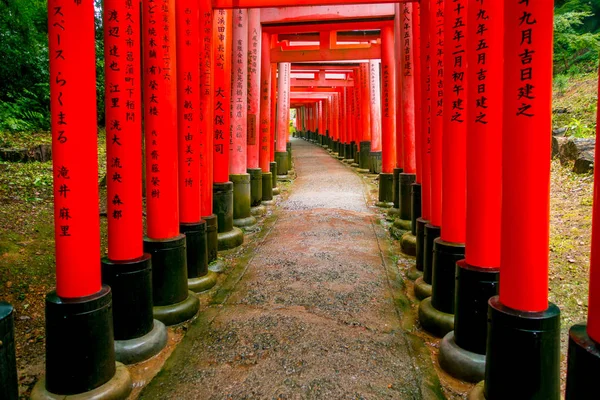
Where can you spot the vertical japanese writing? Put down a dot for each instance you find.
(528, 41)
(457, 67)
(480, 102)
(222, 93)
(438, 58)
(205, 109)
(253, 84)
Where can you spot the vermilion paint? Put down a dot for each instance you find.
(358, 125)
(454, 152)
(365, 102)
(273, 108)
(254, 73)
(407, 73)
(283, 106)
(206, 109)
(416, 36)
(222, 38)
(375, 99)
(398, 41)
(160, 122)
(319, 116)
(525, 154)
(123, 117)
(188, 103)
(265, 103)
(426, 109)
(436, 51)
(350, 114)
(388, 101)
(593, 323)
(484, 133)
(239, 94)
(74, 147)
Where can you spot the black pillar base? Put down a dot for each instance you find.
(242, 216)
(281, 158)
(445, 257)
(273, 170)
(80, 353)
(133, 320)
(173, 303)
(396, 188)
(288, 147)
(462, 354)
(348, 151)
(8, 361)
(406, 181)
(256, 186)
(365, 152)
(375, 167)
(431, 234)
(200, 278)
(267, 186)
(212, 241)
(228, 236)
(385, 190)
(583, 364)
(523, 349)
(415, 205)
(420, 243)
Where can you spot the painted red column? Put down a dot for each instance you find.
(593, 324)
(426, 109)
(254, 73)
(455, 123)
(388, 101)
(398, 41)
(222, 92)
(343, 121)
(357, 106)
(74, 148)
(351, 121)
(365, 99)
(273, 109)
(283, 117)
(160, 109)
(526, 165)
(265, 103)
(436, 27)
(417, 76)
(407, 109)
(123, 118)
(375, 99)
(239, 93)
(319, 116)
(188, 103)
(484, 135)
(206, 112)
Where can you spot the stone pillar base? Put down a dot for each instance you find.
(385, 190)
(433, 320)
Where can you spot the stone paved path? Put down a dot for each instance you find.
(315, 313)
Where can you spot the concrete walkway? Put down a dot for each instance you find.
(316, 312)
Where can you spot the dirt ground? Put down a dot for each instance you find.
(308, 302)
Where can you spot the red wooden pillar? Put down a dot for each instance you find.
(388, 117)
(274, 84)
(398, 40)
(449, 248)
(131, 319)
(584, 341)
(238, 174)
(351, 124)
(254, 72)
(265, 117)
(375, 102)
(523, 325)
(365, 105)
(228, 235)
(407, 116)
(189, 142)
(428, 228)
(320, 120)
(283, 117)
(77, 359)
(206, 133)
(477, 275)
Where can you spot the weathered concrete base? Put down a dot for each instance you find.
(281, 158)
(413, 273)
(118, 388)
(408, 244)
(142, 348)
(354, 165)
(245, 222)
(267, 186)
(177, 313)
(362, 170)
(434, 321)
(217, 266)
(422, 289)
(583, 363)
(284, 178)
(386, 199)
(393, 213)
(258, 210)
(242, 200)
(202, 283)
(478, 392)
(403, 224)
(460, 363)
(231, 239)
(276, 191)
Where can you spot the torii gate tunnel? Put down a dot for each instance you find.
(448, 102)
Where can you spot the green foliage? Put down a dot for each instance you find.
(560, 84)
(580, 129)
(575, 47)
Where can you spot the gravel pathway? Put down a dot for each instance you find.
(315, 313)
